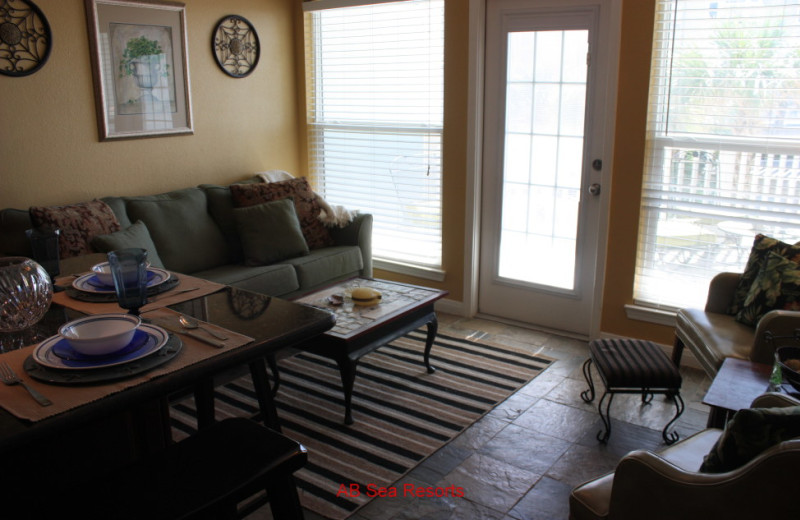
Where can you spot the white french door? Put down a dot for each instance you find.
(546, 156)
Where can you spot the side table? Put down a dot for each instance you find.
(737, 383)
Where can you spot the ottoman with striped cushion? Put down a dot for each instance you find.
(632, 366)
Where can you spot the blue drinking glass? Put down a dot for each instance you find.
(129, 270)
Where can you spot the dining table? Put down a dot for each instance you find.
(111, 415)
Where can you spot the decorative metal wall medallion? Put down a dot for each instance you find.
(235, 46)
(25, 38)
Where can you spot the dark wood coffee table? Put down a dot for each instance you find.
(361, 330)
(735, 386)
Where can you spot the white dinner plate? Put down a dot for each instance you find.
(55, 352)
(89, 282)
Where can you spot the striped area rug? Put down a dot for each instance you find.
(402, 414)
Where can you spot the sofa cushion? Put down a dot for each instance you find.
(762, 246)
(749, 433)
(270, 232)
(777, 286)
(327, 264)
(305, 200)
(186, 237)
(712, 337)
(135, 235)
(79, 223)
(274, 280)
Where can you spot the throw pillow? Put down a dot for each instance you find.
(762, 246)
(306, 204)
(187, 238)
(136, 235)
(777, 286)
(270, 232)
(79, 223)
(750, 432)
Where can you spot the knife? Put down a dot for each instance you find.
(190, 333)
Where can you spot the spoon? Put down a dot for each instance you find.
(191, 323)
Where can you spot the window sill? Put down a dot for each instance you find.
(650, 315)
(427, 273)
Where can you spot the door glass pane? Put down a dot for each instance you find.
(543, 156)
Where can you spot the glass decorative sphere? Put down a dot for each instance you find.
(25, 293)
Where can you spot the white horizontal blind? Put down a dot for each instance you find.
(375, 110)
(723, 137)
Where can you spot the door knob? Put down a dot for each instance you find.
(594, 189)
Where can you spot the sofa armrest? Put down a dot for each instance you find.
(357, 233)
(779, 323)
(721, 291)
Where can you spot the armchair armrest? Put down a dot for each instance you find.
(648, 486)
(779, 323)
(721, 291)
(357, 233)
(774, 400)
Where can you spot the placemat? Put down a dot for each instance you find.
(186, 288)
(18, 402)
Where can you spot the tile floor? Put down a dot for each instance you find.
(520, 461)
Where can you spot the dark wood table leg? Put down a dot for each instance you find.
(276, 376)
(258, 371)
(433, 327)
(717, 417)
(347, 368)
(204, 401)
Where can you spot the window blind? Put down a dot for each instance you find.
(723, 143)
(375, 110)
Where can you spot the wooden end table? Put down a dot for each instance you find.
(737, 383)
(361, 330)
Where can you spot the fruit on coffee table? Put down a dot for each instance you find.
(365, 296)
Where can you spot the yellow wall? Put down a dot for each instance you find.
(50, 153)
(49, 147)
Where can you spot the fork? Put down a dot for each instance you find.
(8, 377)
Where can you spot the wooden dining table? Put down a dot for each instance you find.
(91, 426)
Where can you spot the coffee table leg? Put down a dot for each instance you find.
(433, 326)
(347, 368)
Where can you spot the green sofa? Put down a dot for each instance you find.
(194, 231)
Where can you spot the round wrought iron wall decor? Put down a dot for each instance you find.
(235, 46)
(25, 38)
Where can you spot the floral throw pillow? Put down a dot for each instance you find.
(762, 246)
(777, 286)
(306, 204)
(79, 224)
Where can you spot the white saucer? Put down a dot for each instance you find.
(89, 282)
(44, 353)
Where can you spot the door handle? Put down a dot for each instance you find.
(594, 189)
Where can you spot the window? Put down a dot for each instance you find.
(375, 109)
(723, 136)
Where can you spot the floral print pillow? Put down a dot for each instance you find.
(79, 224)
(762, 246)
(306, 204)
(777, 286)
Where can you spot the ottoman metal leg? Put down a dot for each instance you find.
(588, 395)
(603, 436)
(679, 407)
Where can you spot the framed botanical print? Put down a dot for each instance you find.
(140, 68)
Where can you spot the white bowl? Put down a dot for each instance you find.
(100, 334)
(103, 273)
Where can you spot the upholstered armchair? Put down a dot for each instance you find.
(667, 485)
(713, 335)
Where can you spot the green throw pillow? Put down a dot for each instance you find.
(750, 432)
(762, 246)
(270, 232)
(777, 286)
(136, 235)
